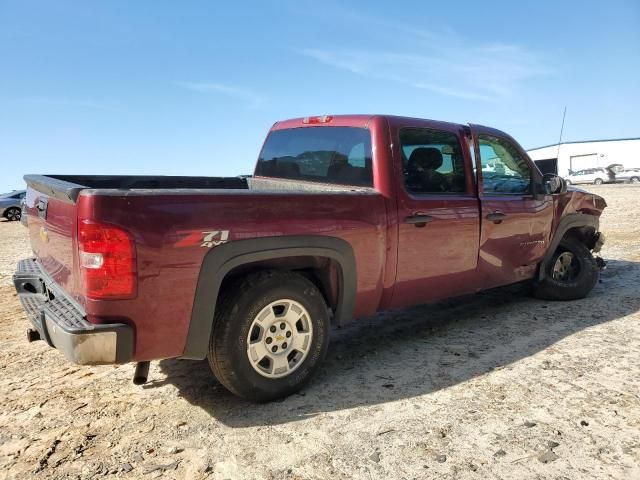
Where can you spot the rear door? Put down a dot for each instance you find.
(438, 215)
(516, 224)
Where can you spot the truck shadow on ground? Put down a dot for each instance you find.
(416, 351)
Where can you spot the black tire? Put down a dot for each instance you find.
(12, 214)
(598, 181)
(235, 312)
(634, 180)
(568, 182)
(586, 274)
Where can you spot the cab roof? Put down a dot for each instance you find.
(364, 120)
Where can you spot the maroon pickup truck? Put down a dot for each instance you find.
(344, 216)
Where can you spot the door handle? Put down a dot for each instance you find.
(41, 207)
(418, 220)
(496, 217)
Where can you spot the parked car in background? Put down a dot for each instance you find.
(629, 175)
(23, 211)
(10, 204)
(597, 176)
(615, 168)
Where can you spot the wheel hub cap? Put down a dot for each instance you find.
(563, 269)
(279, 338)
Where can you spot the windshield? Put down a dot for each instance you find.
(338, 155)
(14, 194)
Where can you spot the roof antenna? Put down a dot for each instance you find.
(564, 114)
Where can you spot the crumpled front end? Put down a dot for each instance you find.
(576, 200)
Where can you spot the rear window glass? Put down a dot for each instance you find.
(340, 155)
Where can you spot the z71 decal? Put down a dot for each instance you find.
(207, 239)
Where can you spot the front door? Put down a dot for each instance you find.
(516, 224)
(438, 214)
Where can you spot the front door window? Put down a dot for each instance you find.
(504, 171)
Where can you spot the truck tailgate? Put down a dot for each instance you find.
(52, 228)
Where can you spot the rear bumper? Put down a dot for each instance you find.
(62, 323)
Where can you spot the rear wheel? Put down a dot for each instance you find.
(12, 214)
(571, 274)
(568, 182)
(269, 336)
(634, 179)
(598, 181)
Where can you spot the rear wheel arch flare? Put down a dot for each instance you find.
(236, 255)
(324, 272)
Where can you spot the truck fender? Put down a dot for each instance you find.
(572, 220)
(219, 261)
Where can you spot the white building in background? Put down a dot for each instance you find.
(576, 156)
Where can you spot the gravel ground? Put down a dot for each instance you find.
(497, 385)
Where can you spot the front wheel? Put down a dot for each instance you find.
(568, 182)
(13, 214)
(571, 274)
(598, 181)
(270, 334)
(634, 180)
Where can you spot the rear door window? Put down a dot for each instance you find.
(432, 161)
(338, 155)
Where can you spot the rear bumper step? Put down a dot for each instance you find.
(62, 323)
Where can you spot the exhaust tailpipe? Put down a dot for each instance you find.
(141, 373)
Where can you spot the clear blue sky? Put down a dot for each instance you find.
(160, 87)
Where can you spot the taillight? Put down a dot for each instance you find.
(107, 261)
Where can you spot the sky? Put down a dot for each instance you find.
(192, 87)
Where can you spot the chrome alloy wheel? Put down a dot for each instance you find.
(13, 214)
(565, 268)
(279, 338)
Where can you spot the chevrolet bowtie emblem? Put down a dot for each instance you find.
(44, 234)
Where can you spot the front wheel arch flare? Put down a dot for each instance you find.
(568, 224)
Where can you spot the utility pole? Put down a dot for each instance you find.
(564, 114)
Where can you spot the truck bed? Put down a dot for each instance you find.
(68, 187)
(168, 217)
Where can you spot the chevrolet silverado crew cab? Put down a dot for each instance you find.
(344, 216)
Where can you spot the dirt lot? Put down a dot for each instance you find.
(498, 385)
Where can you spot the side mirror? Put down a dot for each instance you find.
(553, 184)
